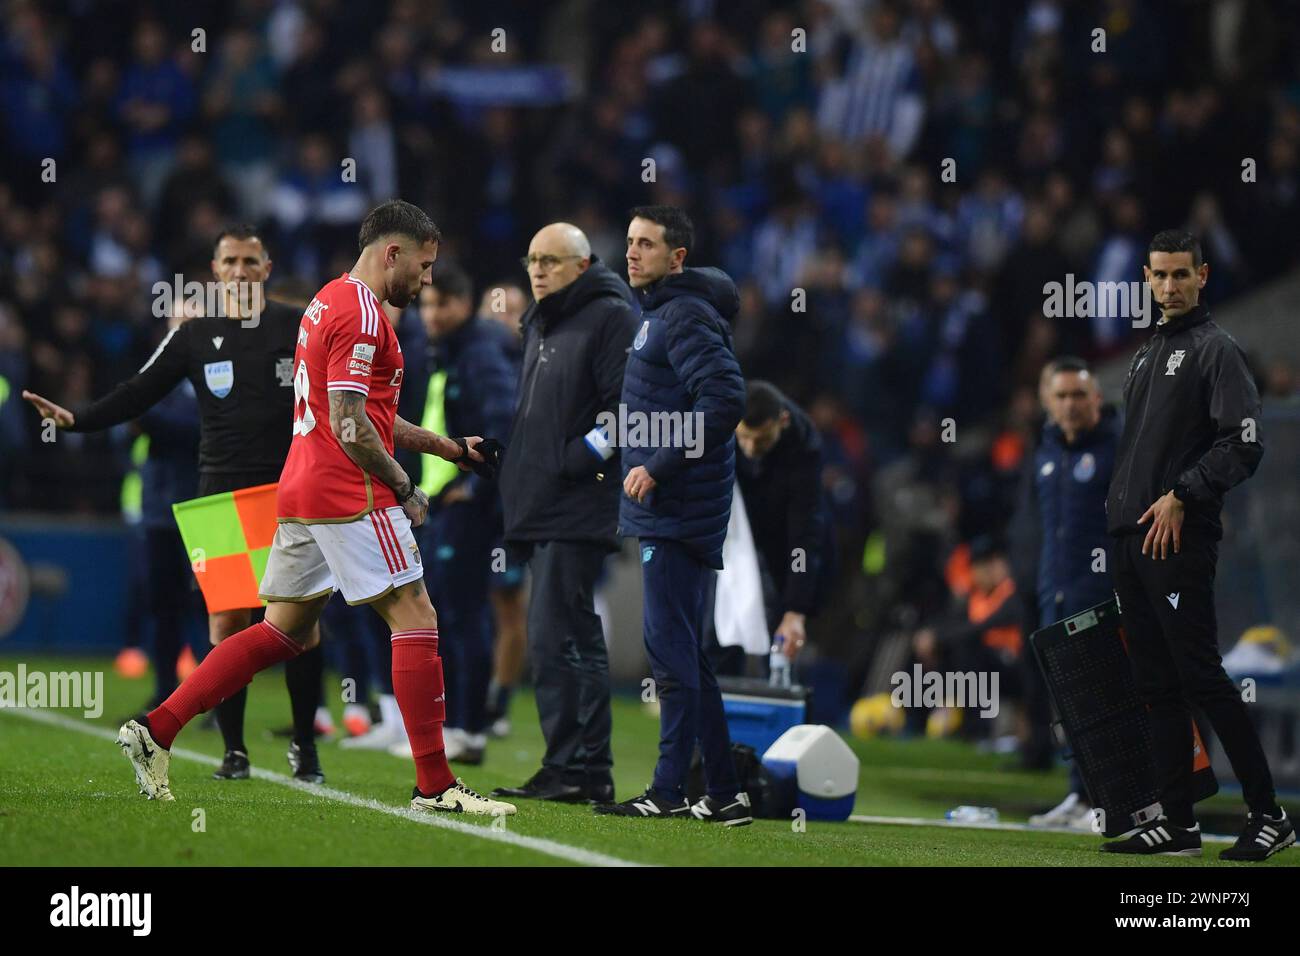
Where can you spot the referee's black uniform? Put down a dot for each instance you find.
(243, 376)
(1192, 413)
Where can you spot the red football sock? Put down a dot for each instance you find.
(417, 685)
(228, 667)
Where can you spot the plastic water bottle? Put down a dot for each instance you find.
(779, 664)
(966, 814)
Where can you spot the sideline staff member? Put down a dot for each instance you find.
(1191, 413)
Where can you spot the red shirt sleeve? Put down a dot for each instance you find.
(351, 344)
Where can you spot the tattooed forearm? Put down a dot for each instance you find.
(359, 440)
(415, 438)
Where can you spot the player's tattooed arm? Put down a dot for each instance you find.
(360, 442)
(415, 438)
(461, 451)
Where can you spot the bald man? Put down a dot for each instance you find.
(560, 490)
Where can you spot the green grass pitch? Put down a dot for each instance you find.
(67, 798)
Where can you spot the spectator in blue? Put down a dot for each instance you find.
(155, 102)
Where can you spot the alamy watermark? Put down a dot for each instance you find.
(634, 429)
(83, 690)
(1087, 300)
(228, 300)
(935, 689)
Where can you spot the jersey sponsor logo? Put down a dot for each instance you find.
(1175, 360)
(397, 378)
(220, 377)
(364, 352)
(641, 335)
(217, 340)
(358, 367)
(284, 372)
(1085, 467)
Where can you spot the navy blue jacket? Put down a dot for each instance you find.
(171, 472)
(1069, 487)
(683, 361)
(480, 392)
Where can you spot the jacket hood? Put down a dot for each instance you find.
(599, 281)
(712, 285)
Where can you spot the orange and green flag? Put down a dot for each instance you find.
(228, 537)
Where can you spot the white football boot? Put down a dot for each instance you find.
(149, 760)
(459, 798)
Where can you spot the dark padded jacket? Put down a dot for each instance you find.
(683, 363)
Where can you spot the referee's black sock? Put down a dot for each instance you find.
(302, 675)
(230, 718)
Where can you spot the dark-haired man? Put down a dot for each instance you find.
(346, 512)
(779, 471)
(677, 499)
(240, 363)
(1191, 434)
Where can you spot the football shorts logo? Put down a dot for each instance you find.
(641, 335)
(647, 553)
(220, 377)
(1085, 467)
(1175, 360)
(284, 372)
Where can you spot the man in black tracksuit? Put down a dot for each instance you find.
(677, 501)
(559, 489)
(1190, 435)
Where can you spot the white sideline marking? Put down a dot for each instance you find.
(1013, 827)
(562, 851)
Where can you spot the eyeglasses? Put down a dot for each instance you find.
(546, 262)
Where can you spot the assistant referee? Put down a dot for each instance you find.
(241, 367)
(1191, 434)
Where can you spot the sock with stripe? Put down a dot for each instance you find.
(418, 687)
(228, 667)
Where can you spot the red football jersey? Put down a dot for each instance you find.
(345, 341)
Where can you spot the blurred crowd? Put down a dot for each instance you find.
(889, 183)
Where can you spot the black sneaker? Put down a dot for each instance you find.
(598, 789)
(305, 764)
(546, 784)
(234, 766)
(1263, 836)
(1159, 838)
(646, 805)
(736, 812)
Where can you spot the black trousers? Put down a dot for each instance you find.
(566, 648)
(1167, 609)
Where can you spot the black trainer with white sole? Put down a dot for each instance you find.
(305, 763)
(1159, 838)
(234, 766)
(736, 812)
(648, 806)
(1263, 836)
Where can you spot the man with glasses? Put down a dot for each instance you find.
(560, 490)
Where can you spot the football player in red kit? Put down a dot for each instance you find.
(346, 509)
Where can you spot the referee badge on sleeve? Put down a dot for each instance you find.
(220, 377)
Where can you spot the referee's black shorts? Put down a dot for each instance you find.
(217, 483)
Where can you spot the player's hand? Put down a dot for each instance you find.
(463, 451)
(1166, 517)
(638, 483)
(792, 629)
(62, 417)
(416, 506)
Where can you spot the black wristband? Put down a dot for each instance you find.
(403, 499)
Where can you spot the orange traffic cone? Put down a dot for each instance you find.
(185, 664)
(131, 663)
